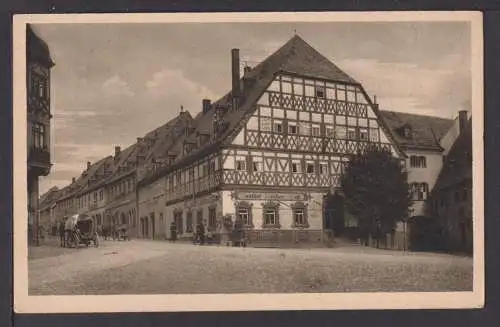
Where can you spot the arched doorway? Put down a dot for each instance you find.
(123, 219)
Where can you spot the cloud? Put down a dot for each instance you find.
(115, 87)
(175, 89)
(409, 87)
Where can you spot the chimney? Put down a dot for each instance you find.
(88, 165)
(206, 103)
(235, 72)
(117, 151)
(73, 180)
(139, 140)
(375, 104)
(462, 120)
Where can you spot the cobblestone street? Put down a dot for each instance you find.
(156, 267)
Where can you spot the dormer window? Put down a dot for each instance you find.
(405, 131)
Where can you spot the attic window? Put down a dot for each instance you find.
(406, 131)
(319, 92)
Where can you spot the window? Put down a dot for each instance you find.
(374, 134)
(292, 129)
(295, 167)
(330, 132)
(278, 127)
(270, 217)
(256, 166)
(323, 169)
(457, 197)
(39, 136)
(265, 124)
(189, 222)
(244, 216)
(407, 132)
(341, 132)
(418, 162)
(351, 133)
(241, 165)
(299, 211)
(315, 131)
(319, 92)
(95, 196)
(212, 218)
(363, 134)
(419, 191)
(310, 168)
(101, 195)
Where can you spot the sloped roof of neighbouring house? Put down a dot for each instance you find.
(49, 198)
(295, 57)
(425, 131)
(457, 166)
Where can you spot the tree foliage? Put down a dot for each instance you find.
(376, 190)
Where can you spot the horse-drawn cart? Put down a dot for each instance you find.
(81, 230)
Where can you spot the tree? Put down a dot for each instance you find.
(376, 190)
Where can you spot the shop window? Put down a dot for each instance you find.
(420, 191)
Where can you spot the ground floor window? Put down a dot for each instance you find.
(271, 215)
(244, 213)
(299, 213)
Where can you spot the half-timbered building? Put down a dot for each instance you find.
(39, 64)
(271, 149)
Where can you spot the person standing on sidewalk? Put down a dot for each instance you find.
(62, 236)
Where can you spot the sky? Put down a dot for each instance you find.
(115, 82)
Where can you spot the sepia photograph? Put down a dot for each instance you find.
(287, 160)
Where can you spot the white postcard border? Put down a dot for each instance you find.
(23, 303)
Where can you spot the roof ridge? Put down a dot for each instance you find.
(414, 114)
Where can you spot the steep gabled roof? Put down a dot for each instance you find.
(294, 57)
(426, 131)
(298, 57)
(457, 166)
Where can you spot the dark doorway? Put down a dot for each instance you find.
(333, 213)
(153, 227)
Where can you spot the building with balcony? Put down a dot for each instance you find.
(39, 64)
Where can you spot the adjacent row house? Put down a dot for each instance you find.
(39, 64)
(270, 152)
